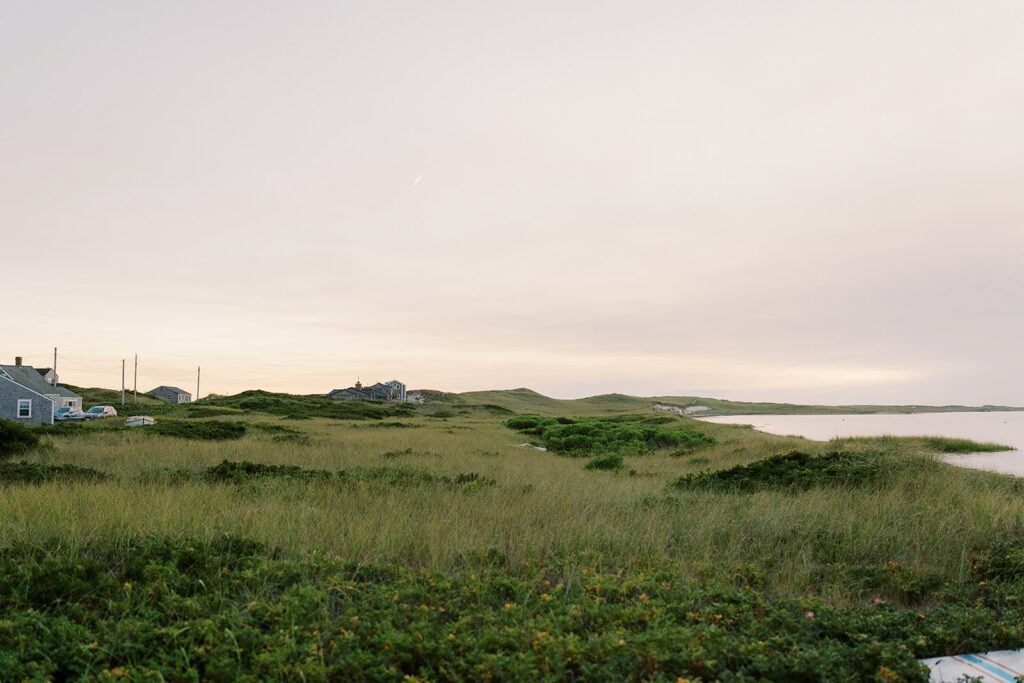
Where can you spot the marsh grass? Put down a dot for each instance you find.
(462, 516)
(541, 506)
(932, 444)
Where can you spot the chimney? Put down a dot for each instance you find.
(17, 361)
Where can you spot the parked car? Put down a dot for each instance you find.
(72, 414)
(62, 413)
(97, 412)
(138, 421)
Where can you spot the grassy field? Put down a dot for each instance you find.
(529, 401)
(267, 536)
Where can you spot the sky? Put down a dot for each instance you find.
(794, 201)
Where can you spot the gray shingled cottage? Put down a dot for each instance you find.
(170, 394)
(381, 391)
(27, 398)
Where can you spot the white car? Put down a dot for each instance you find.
(64, 413)
(97, 412)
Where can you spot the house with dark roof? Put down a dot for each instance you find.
(381, 391)
(26, 397)
(49, 375)
(170, 394)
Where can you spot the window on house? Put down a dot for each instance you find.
(24, 407)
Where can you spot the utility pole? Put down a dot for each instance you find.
(135, 389)
(198, 371)
(122, 382)
(54, 366)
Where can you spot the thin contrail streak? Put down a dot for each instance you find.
(416, 182)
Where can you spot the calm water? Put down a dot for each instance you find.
(1004, 428)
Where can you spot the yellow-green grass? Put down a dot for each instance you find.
(545, 508)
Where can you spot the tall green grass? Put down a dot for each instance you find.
(542, 506)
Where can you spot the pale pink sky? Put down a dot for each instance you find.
(799, 201)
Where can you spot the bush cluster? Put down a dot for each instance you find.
(199, 411)
(16, 439)
(626, 434)
(230, 609)
(213, 430)
(796, 470)
(231, 472)
(301, 407)
(23, 472)
(610, 461)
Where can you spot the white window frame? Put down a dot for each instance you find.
(22, 401)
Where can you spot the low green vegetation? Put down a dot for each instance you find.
(392, 425)
(931, 444)
(609, 461)
(213, 430)
(309, 406)
(16, 439)
(23, 472)
(627, 435)
(866, 462)
(231, 609)
(201, 411)
(798, 471)
(319, 549)
(247, 472)
(942, 444)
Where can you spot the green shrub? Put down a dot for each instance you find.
(211, 411)
(798, 471)
(531, 424)
(38, 473)
(407, 452)
(301, 407)
(275, 429)
(611, 461)
(297, 439)
(213, 430)
(625, 434)
(15, 439)
(229, 472)
(231, 609)
(240, 472)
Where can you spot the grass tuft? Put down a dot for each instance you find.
(23, 472)
(214, 430)
(611, 461)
